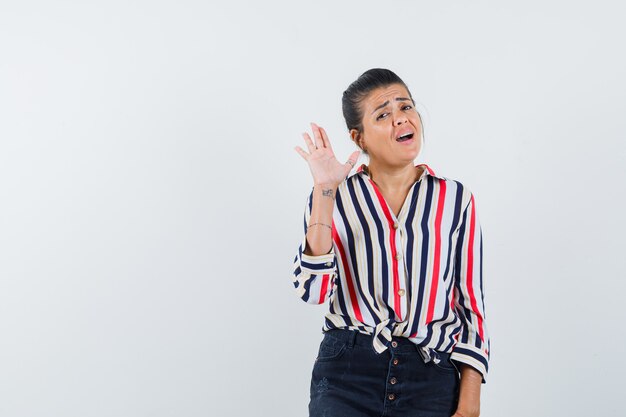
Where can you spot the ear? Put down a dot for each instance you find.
(357, 138)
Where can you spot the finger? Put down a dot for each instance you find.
(325, 138)
(354, 156)
(302, 153)
(309, 142)
(351, 163)
(318, 137)
(322, 140)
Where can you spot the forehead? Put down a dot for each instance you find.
(380, 95)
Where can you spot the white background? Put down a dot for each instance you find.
(151, 200)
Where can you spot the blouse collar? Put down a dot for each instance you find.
(363, 169)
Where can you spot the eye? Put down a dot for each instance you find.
(381, 115)
(408, 106)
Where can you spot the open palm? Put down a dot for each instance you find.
(324, 166)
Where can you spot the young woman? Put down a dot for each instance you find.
(396, 249)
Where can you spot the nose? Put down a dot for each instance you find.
(400, 118)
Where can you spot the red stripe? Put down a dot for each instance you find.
(452, 295)
(346, 268)
(470, 270)
(392, 243)
(324, 287)
(435, 277)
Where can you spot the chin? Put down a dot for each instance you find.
(412, 153)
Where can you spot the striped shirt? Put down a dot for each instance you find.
(417, 275)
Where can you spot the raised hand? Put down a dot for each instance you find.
(324, 166)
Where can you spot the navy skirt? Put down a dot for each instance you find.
(350, 379)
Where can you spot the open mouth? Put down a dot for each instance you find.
(405, 137)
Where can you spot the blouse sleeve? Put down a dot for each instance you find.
(313, 276)
(473, 344)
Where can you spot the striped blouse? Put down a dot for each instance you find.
(417, 275)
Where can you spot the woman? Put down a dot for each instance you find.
(396, 249)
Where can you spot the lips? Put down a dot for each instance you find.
(403, 137)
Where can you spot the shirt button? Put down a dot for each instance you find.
(329, 264)
(395, 361)
(394, 344)
(391, 396)
(393, 381)
(401, 292)
(395, 225)
(398, 256)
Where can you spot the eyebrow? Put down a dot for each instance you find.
(387, 102)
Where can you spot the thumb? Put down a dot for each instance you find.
(351, 163)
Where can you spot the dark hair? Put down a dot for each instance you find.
(359, 89)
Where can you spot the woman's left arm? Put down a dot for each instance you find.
(471, 351)
(469, 393)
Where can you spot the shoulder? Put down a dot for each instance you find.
(461, 185)
(461, 189)
(453, 182)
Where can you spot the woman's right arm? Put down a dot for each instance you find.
(314, 271)
(319, 233)
(315, 262)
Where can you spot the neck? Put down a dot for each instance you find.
(391, 177)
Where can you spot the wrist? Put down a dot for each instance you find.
(325, 185)
(467, 412)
